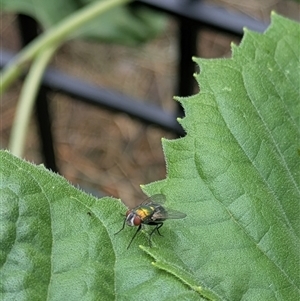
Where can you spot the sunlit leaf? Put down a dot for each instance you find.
(235, 174)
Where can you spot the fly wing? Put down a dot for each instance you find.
(174, 214)
(155, 199)
(161, 213)
(164, 212)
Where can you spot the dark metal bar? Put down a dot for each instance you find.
(187, 44)
(204, 14)
(191, 15)
(111, 100)
(29, 30)
(57, 81)
(44, 121)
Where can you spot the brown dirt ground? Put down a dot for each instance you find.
(112, 153)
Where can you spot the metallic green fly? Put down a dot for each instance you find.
(150, 212)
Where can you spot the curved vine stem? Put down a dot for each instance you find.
(55, 35)
(40, 52)
(26, 101)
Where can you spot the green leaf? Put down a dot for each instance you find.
(125, 25)
(236, 172)
(58, 243)
(235, 175)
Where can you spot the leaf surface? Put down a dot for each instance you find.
(58, 243)
(235, 174)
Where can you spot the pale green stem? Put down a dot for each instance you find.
(55, 35)
(27, 100)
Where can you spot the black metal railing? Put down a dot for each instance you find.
(190, 15)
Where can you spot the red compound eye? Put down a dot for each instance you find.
(137, 220)
(127, 212)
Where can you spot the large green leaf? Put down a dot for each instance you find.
(58, 243)
(235, 175)
(237, 170)
(127, 25)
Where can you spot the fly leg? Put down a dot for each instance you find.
(139, 228)
(158, 225)
(122, 227)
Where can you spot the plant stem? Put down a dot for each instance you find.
(27, 99)
(55, 35)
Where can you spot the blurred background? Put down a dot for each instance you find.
(109, 153)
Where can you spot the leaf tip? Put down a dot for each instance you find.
(177, 98)
(245, 29)
(273, 13)
(143, 188)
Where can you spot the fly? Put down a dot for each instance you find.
(150, 212)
